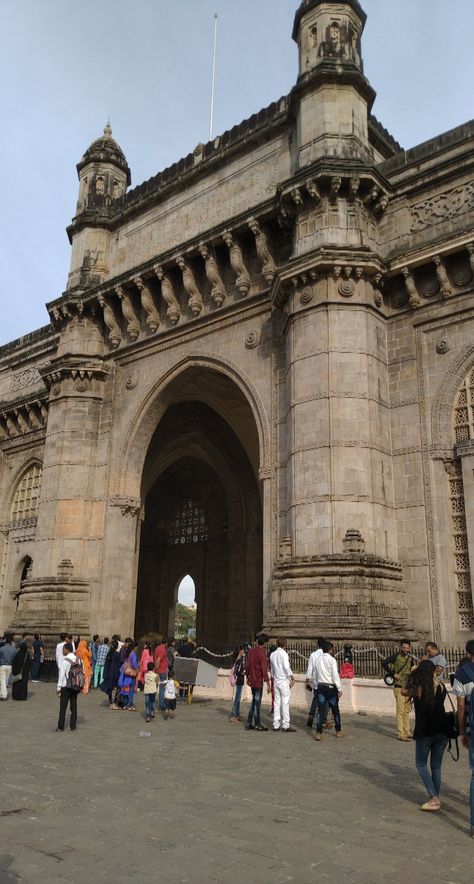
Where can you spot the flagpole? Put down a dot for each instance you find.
(213, 87)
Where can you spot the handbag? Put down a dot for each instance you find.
(18, 677)
(232, 677)
(129, 671)
(452, 730)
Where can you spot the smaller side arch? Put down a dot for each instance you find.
(441, 431)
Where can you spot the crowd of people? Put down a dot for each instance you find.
(121, 669)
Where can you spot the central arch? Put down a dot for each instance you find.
(202, 513)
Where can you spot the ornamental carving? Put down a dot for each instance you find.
(129, 314)
(218, 290)
(29, 377)
(442, 207)
(173, 312)
(190, 285)
(242, 281)
(252, 340)
(263, 251)
(148, 304)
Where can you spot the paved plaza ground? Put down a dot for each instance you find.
(203, 801)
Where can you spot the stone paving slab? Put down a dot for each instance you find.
(204, 801)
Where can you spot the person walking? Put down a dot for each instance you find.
(463, 688)
(257, 674)
(329, 689)
(84, 653)
(59, 649)
(8, 652)
(283, 681)
(128, 677)
(101, 657)
(111, 674)
(238, 678)
(67, 696)
(427, 694)
(311, 681)
(145, 659)
(170, 696)
(150, 687)
(38, 657)
(399, 665)
(94, 647)
(20, 671)
(160, 659)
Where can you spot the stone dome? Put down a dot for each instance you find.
(105, 150)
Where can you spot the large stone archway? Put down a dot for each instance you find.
(203, 517)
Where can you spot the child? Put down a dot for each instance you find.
(149, 689)
(170, 696)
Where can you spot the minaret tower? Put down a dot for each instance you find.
(104, 176)
(334, 96)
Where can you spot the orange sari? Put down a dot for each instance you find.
(84, 654)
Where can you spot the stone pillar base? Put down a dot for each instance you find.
(349, 596)
(50, 605)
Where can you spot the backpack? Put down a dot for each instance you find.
(75, 677)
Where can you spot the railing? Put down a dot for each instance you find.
(366, 659)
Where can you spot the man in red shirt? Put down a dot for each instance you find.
(257, 673)
(160, 660)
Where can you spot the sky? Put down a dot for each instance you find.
(66, 66)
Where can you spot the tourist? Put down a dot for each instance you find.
(257, 674)
(128, 676)
(170, 696)
(20, 671)
(84, 654)
(328, 690)
(464, 690)
(150, 687)
(238, 679)
(160, 659)
(171, 652)
(100, 658)
(111, 674)
(67, 696)
(8, 652)
(438, 660)
(116, 638)
(59, 649)
(71, 641)
(427, 694)
(145, 659)
(38, 657)
(399, 665)
(94, 647)
(283, 681)
(125, 649)
(311, 681)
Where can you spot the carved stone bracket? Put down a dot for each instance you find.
(218, 290)
(173, 312)
(263, 250)
(413, 296)
(243, 281)
(129, 506)
(75, 375)
(22, 417)
(190, 286)
(114, 332)
(129, 314)
(148, 304)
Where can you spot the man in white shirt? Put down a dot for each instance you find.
(59, 649)
(328, 690)
(66, 694)
(283, 681)
(311, 681)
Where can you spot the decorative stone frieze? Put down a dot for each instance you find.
(24, 417)
(75, 376)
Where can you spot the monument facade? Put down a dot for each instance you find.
(261, 374)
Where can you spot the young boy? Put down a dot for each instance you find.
(170, 696)
(149, 689)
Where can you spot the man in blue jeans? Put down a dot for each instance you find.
(257, 674)
(326, 676)
(464, 689)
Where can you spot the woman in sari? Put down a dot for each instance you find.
(128, 677)
(21, 667)
(145, 659)
(84, 654)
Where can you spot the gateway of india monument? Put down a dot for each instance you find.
(260, 374)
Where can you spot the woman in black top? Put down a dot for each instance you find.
(428, 695)
(238, 678)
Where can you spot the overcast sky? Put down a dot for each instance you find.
(66, 65)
